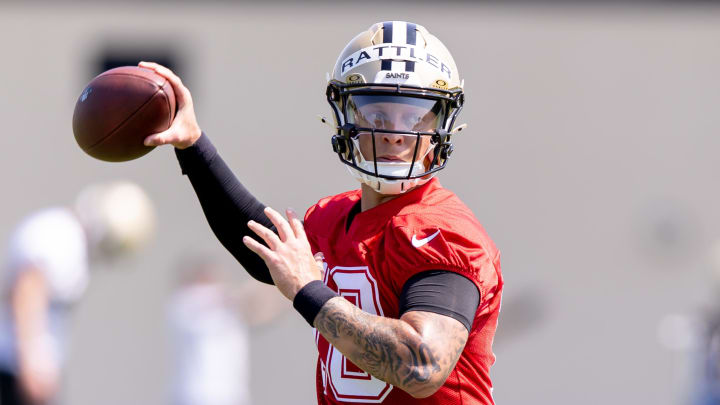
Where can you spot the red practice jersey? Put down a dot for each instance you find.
(427, 228)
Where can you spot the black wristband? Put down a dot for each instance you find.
(311, 298)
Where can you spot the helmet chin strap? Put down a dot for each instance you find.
(386, 186)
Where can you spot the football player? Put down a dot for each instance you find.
(210, 319)
(47, 271)
(399, 279)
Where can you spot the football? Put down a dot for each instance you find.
(118, 109)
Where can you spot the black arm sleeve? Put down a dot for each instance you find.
(227, 204)
(441, 292)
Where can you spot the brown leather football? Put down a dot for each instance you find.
(118, 109)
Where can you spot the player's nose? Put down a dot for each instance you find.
(393, 139)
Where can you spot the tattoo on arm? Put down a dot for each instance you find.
(422, 360)
(411, 353)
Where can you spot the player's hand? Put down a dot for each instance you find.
(184, 130)
(288, 254)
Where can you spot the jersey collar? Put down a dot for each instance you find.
(366, 223)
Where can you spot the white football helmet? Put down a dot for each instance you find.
(394, 80)
(118, 217)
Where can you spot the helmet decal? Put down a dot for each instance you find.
(389, 55)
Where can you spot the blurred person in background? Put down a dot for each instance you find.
(407, 309)
(46, 272)
(694, 336)
(210, 317)
(706, 357)
(704, 348)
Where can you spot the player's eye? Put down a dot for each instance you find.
(378, 120)
(427, 122)
(412, 121)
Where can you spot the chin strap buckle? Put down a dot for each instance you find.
(339, 144)
(443, 147)
(446, 151)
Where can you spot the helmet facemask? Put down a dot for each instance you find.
(393, 138)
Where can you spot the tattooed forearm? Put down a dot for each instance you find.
(412, 354)
(421, 359)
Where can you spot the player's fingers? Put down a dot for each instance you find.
(257, 247)
(266, 234)
(171, 136)
(182, 94)
(280, 223)
(149, 65)
(162, 71)
(162, 138)
(295, 223)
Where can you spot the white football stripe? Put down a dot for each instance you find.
(399, 32)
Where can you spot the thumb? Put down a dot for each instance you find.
(320, 260)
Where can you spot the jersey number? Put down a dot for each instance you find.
(347, 381)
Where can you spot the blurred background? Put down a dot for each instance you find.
(591, 158)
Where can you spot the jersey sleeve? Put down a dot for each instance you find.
(414, 248)
(327, 215)
(310, 225)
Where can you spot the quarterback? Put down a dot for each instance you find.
(398, 278)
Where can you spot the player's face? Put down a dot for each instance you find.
(396, 114)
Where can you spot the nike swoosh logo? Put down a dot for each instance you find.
(418, 243)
